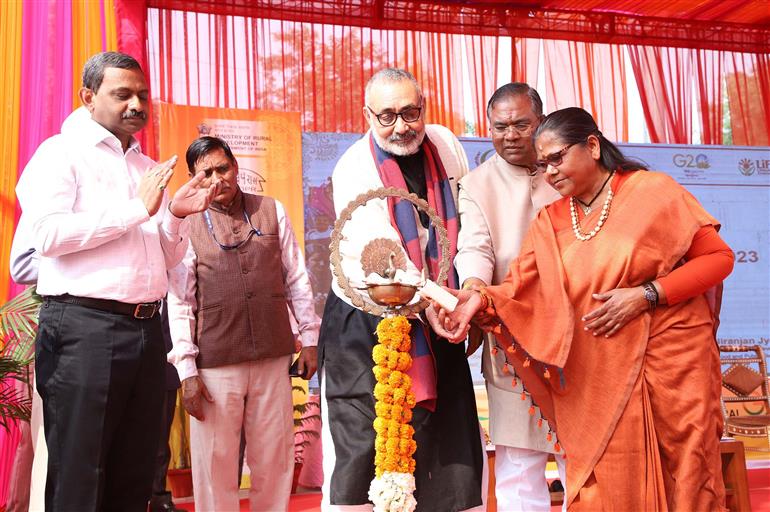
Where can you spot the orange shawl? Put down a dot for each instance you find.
(608, 413)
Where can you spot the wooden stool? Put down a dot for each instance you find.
(734, 475)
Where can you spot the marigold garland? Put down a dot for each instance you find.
(393, 486)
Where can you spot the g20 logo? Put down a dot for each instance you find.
(688, 161)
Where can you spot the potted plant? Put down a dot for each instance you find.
(18, 327)
(306, 417)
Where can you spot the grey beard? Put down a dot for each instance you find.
(394, 146)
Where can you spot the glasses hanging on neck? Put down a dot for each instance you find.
(229, 247)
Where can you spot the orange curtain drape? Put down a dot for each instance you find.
(748, 90)
(317, 70)
(591, 76)
(663, 76)
(10, 113)
(525, 57)
(708, 75)
(481, 54)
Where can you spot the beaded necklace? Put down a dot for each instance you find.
(579, 234)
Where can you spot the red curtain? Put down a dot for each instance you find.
(663, 76)
(525, 56)
(481, 54)
(591, 76)
(748, 90)
(320, 71)
(317, 70)
(709, 67)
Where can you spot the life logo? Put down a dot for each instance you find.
(746, 166)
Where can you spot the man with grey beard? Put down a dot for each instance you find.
(401, 151)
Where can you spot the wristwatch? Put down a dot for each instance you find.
(650, 294)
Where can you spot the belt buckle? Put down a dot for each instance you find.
(145, 310)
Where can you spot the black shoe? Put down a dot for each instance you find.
(163, 503)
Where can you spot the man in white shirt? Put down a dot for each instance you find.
(229, 305)
(106, 234)
(497, 202)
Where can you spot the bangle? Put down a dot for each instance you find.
(486, 300)
(650, 294)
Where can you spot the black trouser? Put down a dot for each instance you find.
(101, 379)
(163, 456)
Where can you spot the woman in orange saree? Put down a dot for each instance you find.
(611, 329)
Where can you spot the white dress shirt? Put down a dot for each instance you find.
(182, 304)
(92, 231)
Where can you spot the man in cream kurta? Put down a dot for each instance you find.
(497, 202)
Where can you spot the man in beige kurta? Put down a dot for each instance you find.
(497, 202)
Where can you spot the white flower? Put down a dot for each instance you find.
(393, 492)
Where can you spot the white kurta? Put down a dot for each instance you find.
(497, 203)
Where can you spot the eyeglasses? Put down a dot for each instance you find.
(553, 159)
(523, 129)
(408, 115)
(229, 247)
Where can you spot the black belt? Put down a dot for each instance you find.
(141, 311)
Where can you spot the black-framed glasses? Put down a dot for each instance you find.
(553, 159)
(229, 247)
(408, 115)
(523, 128)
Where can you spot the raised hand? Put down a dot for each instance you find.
(621, 305)
(192, 198)
(153, 184)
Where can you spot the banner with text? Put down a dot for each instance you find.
(267, 146)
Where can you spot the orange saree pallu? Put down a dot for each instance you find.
(637, 414)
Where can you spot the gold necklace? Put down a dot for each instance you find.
(602, 217)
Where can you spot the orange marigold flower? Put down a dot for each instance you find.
(395, 378)
(382, 409)
(379, 354)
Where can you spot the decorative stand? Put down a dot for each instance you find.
(393, 485)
